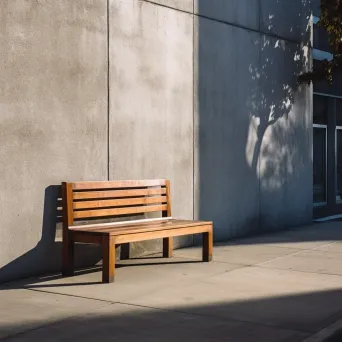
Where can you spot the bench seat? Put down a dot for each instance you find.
(143, 226)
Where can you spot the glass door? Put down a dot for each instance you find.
(339, 164)
(320, 165)
(320, 135)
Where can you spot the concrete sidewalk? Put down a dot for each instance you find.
(278, 287)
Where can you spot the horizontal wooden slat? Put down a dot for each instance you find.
(161, 234)
(171, 224)
(120, 223)
(118, 193)
(118, 184)
(158, 222)
(119, 211)
(175, 224)
(119, 202)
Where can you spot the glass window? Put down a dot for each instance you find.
(338, 112)
(319, 164)
(321, 39)
(322, 86)
(339, 164)
(320, 110)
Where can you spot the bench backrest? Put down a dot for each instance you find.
(90, 200)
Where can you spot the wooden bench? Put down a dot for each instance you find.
(84, 201)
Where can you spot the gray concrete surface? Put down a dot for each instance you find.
(151, 111)
(284, 113)
(310, 261)
(22, 310)
(183, 5)
(182, 299)
(253, 152)
(287, 19)
(187, 95)
(244, 13)
(53, 126)
(148, 273)
(241, 254)
(226, 186)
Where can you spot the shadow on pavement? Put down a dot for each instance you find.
(289, 318)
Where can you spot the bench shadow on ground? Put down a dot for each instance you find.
(34, 282)
(291, 317)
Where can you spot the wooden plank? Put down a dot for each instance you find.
(119, 223)
(118, 193)
(67, 199)
(118, 211)
(167, 247)
(168, 194)
(151, 228)
(154, 228)
(173, 224)
(207, 249)
(118, 184)
(68, 219)
(119, 202)
(161, 234)
(108, 248)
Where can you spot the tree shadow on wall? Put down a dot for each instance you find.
(46, 255)
(254, 121)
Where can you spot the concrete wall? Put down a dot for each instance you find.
(199, 91)
(285, 157)
(53, 126)
(226, 185)
(151, 103)
(253, 136)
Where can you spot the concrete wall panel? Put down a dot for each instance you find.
(286, 134)
(286, 18)
(183, 5)
(151, 107)
(244, 13)
(52, 120)
(226, 183)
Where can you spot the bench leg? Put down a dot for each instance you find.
(68, 258)
(124, 251)
(167, 247)
(108, 248)
(208, 246)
